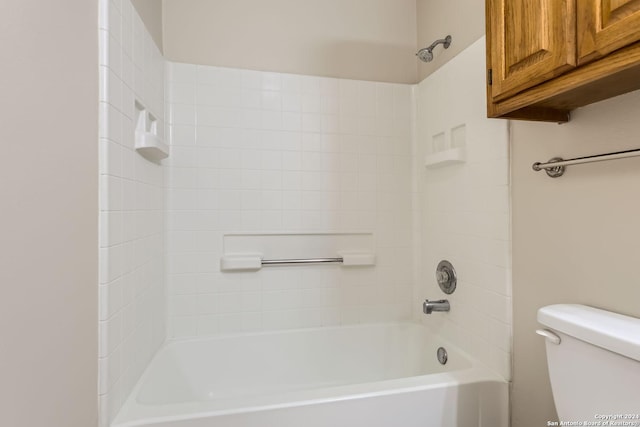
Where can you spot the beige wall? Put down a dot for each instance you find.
(576, 239)
(326, 42)
(462, 19)
(353, 39)
(48, 185)
(151, 13)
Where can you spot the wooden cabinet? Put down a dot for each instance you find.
(533, 41)
(547, 57)
(606, 25)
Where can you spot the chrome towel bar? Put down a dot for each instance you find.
(555, 167)
(301, 261)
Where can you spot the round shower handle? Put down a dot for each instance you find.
(442, 276)
(446, 277)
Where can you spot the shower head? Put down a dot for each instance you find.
(426, 54)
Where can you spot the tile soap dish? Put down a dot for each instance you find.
(151, 147)
(444, 158)
(147, 142)
(448, 148)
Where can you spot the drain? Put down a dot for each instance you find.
(442, 356)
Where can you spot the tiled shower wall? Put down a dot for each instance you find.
(465, 210)
(132, 294)
(258, 152)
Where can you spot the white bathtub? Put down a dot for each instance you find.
(378, 375)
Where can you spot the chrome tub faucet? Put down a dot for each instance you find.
(430, 306)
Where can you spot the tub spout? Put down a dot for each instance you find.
(430, 306)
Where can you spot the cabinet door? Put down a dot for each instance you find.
(531, 41)
(606, 25)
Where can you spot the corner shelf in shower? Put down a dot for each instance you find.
(151, 147)
(446, 158)
(147, 142)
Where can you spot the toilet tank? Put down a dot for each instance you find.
(595, 367)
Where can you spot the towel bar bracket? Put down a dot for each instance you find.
(552, 171)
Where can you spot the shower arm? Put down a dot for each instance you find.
(446, 42)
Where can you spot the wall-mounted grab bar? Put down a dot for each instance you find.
(301, 261)
(254, 262)
(555, 167)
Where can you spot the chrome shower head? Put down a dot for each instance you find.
(426, 54)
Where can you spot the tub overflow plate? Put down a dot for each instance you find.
(442, 356)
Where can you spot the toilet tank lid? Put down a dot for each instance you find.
(612, 331)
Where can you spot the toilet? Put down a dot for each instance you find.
(594, 364)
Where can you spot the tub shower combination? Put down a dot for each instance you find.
(375, 375)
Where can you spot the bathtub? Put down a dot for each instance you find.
(377, 375)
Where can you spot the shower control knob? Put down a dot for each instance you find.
(442, 276)
(446, 277)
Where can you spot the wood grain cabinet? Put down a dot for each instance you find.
(547, 57)
(606, 25)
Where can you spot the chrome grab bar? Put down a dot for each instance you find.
(301, 261)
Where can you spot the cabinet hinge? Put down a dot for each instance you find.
(490, 76)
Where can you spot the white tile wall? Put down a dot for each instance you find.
(464, 212)
(132, 294)
(264, 152)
